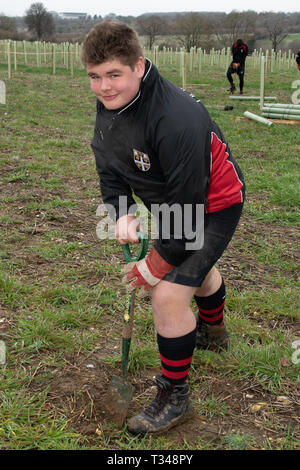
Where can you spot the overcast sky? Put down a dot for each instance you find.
(137, 7)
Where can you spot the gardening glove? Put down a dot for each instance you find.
(145, 273)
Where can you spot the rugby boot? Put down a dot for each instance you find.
(170, 407)
(212, 337)
(232, 88)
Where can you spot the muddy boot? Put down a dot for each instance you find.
(212, 337)
(232, 88)
(170, 407)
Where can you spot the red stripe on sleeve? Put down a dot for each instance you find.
(225, 185)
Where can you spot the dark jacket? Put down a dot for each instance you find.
(164, 147)
(239, 53)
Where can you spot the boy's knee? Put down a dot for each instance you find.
(168, 297)
(161, 299)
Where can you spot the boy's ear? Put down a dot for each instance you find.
(140, 67)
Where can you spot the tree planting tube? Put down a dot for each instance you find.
(257, 118)
(283, 105)
(292, 117)
(267, 109)
(295, 112)
(253, 98)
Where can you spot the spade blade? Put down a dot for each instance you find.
(120, 395)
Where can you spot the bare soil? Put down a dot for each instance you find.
(78, 390)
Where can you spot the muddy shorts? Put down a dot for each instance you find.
(219, 228)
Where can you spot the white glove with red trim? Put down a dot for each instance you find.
(145, 273)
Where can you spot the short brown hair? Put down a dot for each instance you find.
(111, 39)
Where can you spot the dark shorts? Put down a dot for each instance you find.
(240, 70)
(219, 228)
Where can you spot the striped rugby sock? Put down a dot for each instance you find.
(176, 356)
(211, 308)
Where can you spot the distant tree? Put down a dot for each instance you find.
(39, 21)
(276, 27)
(195, 30)
(233, 24)
(8, 27)
(110, 16)
(150, 26)
(294, 45)
(236, 25)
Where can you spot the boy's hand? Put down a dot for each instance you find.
(126, 229)
(145, 273)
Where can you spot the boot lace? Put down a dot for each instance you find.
(159, 402)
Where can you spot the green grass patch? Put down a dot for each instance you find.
(61, 298)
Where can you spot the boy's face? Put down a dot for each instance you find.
(114, 83)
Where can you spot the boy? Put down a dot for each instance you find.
(156, 140)
(239, 53)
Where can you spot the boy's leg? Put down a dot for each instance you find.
(211, 283)
(175, 324)
(241, 78)
(172, 312)
(210, 298)
(230, 71)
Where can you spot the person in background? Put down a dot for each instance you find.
(239, 52)
(298, 60)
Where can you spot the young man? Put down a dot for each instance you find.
(155, 140)
(239, 53)
(298, 60)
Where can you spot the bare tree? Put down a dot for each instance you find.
(8, 27)
(39, 21)
(276, 27)
(151, 26)
(195, 30)
(236, 25)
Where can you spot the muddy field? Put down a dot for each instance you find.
(61, 300)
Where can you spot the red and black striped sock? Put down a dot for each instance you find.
(211, 308)
(176, 356)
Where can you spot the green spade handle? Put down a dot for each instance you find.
(143, 238)
(128, 316)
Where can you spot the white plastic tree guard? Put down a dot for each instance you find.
(292, 117)
(253, 98)
(258, 118)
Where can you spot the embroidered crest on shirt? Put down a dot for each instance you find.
(141, 160)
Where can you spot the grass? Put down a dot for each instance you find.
(61, 299)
